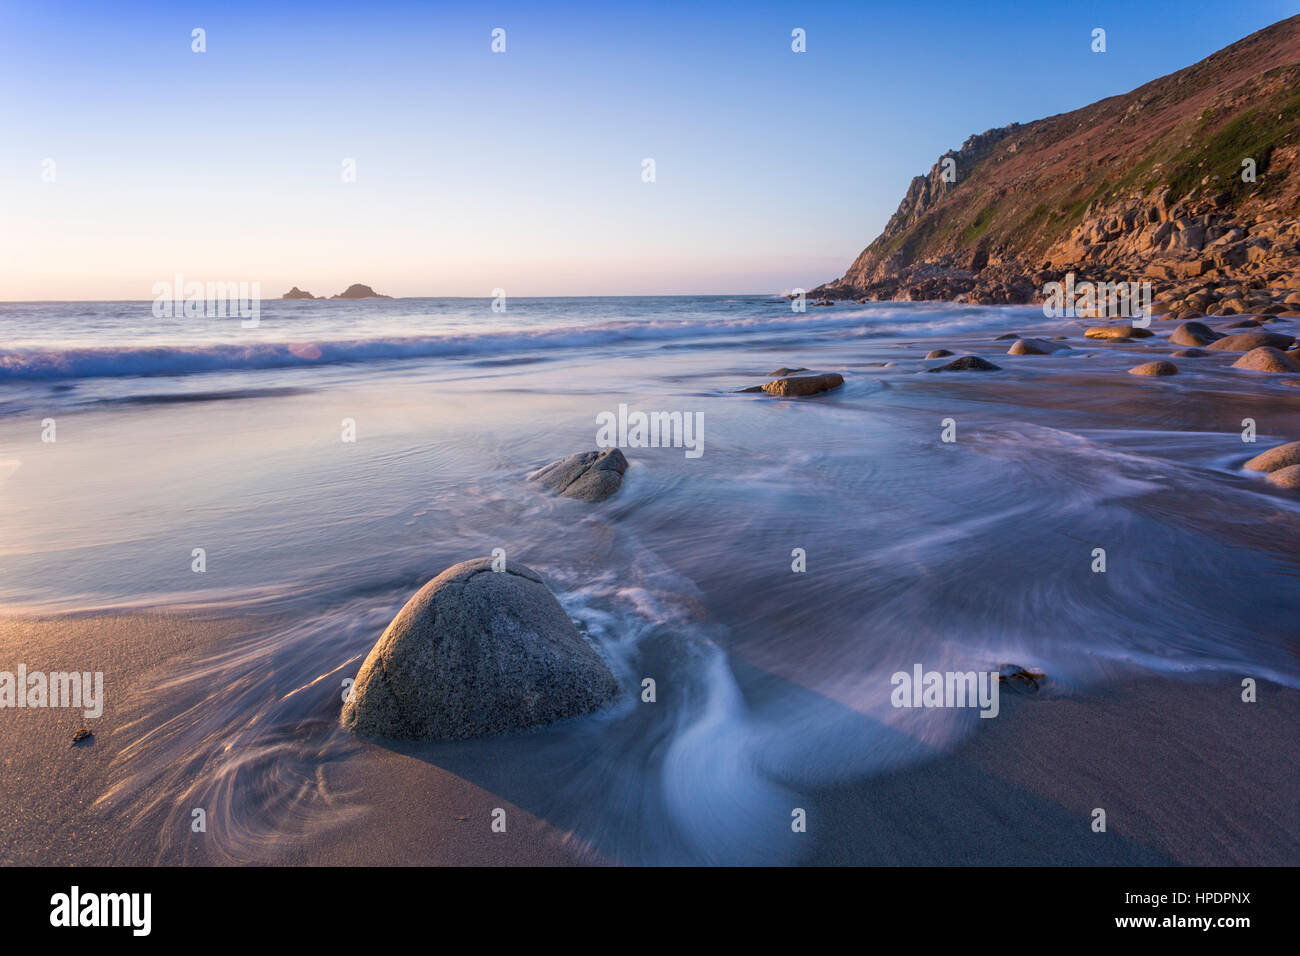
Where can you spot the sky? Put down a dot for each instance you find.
(521, 170)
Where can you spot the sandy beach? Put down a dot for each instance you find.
(1185, 771)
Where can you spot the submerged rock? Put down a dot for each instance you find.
(967, 363)
(938, 353)
(586, 476)
(1015, 675)
(1280, 456)
(476, 653)
(786, 371)
(1190, 353)
(1154, 368)
(1265, 359)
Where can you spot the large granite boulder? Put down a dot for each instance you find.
(477, 652)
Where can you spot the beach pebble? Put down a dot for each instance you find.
(938, 353)
(1193, 333)
(586, 476)
(1280, 456)
(1265, 359)
(967, 363)
(1117, 332)
(809, 384)
(1245, 341)
(475, 653)
(1288, 477)
(1154, 368)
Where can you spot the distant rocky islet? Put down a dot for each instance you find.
(354, 291)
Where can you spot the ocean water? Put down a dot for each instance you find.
(179, 434)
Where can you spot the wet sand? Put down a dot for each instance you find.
(1186, 771)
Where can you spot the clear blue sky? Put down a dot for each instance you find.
(519, 170)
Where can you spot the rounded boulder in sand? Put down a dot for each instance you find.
(1154, 368)
(475, 653)
(1265, 359)
(1280, 456)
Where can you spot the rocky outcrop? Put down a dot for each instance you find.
(359, 291)
(296, 293)
(1149, 185)
(474, 653)
(587, 476)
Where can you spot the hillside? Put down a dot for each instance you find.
(1144, 185)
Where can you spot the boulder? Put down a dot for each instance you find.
(1265, 359)
(1193, 333)
(1190, 353)
(786, 371)
(1280, 456)
(1117, 332)
(1154, 368)
(1033, 347)
(586, 476)
(1288, 477)
(967, 363)
(789, 386)
(475, 653)
(1245, 341)
(938, 353)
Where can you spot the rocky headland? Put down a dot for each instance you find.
(1185, 182)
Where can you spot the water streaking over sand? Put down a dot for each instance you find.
(771, 684)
